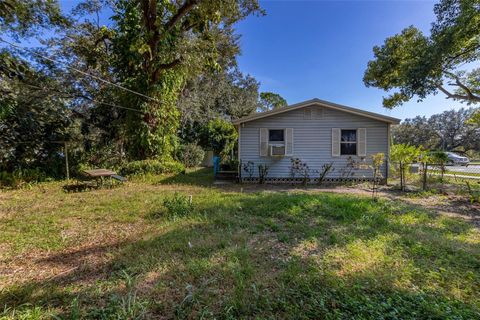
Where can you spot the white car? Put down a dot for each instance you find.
(457, 160)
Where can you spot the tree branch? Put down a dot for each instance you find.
(466, 51)
(182, 11)
(455, 96)
(165, 66)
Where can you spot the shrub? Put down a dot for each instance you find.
(219, 135)
(151, 166)
(404, 155)
(21, 176)
(178, 205)
(191, 155)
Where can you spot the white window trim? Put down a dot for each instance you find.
(345, 142)
(282, 143)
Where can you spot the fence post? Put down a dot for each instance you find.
(66, 161)
(425, 168)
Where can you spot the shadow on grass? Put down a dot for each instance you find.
(196, 177)
(278, 255)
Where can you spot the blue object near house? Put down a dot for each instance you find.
(216, 165)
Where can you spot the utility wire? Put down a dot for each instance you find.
(80, 71)
(73, 96)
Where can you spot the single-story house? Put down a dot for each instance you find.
(312, 134)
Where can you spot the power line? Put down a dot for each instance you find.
(82, 72)
(73, 96)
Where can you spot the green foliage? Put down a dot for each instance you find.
(220, 136)
(418, 65)
(269, 101)
(157, 48)
(448, 130)
(475, 119)
(190, 155)
(403, 155)
(438, 157)
(473, 192)
(140, 167)
(221, 94)
(21, 177)
(23, 18)
(178, 205)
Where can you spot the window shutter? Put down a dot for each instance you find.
(289, 141)
(335, 142)
(263, 142)
(362, 142)
(318, 113)
(307, 113)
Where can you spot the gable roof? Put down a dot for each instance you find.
(320, 103)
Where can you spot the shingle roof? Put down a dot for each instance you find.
(321, 103)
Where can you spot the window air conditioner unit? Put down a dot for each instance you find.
(277, 150)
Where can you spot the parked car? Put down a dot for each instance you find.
(457, 160)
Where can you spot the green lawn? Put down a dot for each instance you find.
(117, 254)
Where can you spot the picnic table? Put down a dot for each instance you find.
(100, 174)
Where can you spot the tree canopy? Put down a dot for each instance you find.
(269, 101)
(448, 131)
(135, 89)
(412, 64)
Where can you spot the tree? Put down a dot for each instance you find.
(31, 133)
(420, 65)
(417, 132)
(220, 136)
(157, 47)
(22, 19)
(475, 119)
(222, 94)
(402, 156)
(448, 131)
(269, 101)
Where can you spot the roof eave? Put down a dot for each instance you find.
(319, 102)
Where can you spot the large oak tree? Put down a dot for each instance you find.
(412, 64)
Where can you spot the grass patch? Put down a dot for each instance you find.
(114, 254)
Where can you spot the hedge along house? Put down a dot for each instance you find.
(314, 133)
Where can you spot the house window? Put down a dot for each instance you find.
(276, 135)
(348, 142)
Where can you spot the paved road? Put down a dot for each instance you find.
(459, 169)
(469, 169)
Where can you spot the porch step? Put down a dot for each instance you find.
(226, 175)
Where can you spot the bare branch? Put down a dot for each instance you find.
(472, 98)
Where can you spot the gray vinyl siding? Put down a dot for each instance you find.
(312, 141)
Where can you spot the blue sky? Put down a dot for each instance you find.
(307, 49)
(320, 49)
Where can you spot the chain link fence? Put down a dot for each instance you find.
(436, 177)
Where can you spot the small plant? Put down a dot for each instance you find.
(249, 168)
(404, 155)
(474, 193)
(190, 155)
(326, 168)
(262, 173)
(348, 170)
(301, 168)
(439, 159)
(377, 161)
(178, 205)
